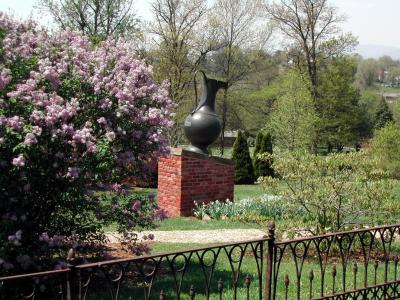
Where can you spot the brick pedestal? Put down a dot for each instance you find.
(185, 177)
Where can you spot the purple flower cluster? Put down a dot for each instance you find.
(19, 161)
(52, 241)
(131, 242)
(16, 238)
(123, 85)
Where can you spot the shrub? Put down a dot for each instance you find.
(333, 192)
(385, 146)
(383, 115)
(262, 167)
(73, 118)
(244, 173)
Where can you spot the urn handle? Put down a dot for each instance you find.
(195, 88)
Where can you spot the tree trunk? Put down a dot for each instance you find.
(224, 111)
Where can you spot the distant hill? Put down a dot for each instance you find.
(376, 51)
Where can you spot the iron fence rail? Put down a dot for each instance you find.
(357, 264)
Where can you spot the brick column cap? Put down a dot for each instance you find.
(219, 160)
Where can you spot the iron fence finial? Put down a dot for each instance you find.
(192, 292)
(248, 280)
(71, 255)
(271, 230)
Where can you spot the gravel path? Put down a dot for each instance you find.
(199, 236)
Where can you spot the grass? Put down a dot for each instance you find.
(380, 89)
(182, 223)
(145, 191)
(248, 191)
(227, 152)
(159, 248)
(384, 89)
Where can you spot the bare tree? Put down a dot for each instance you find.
(95, 18)
(239, 27)
(183, 38)
(312, 27)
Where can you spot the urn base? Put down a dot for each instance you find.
(198, 149)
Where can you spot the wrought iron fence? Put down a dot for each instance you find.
(358, 264)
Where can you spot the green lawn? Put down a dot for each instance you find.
(379, 89)
(227, 152)
(145, 191)
(248, 191)
(182, 223)
(216, 152)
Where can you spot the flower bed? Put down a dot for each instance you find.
(259, 209)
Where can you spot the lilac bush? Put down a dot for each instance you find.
(74, 117)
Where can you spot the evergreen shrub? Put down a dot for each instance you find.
(244, 173)
(262, 166)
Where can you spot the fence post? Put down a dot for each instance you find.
(71, 274)
(270, 261)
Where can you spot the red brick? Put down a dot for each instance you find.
(184, 178)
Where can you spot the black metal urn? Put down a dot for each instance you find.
(203, 126)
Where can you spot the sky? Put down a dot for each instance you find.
(374, 22)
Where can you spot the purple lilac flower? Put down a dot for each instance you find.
(30, 139)
(116, 187)
(110, 135)
(52, 241)
(136, 205)
(15, 123)
(5, 77)
(73, 172)
(161, 215)
(19, 161)
(102, 121)
(16, 238)
(130, 224)
(36, 130)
